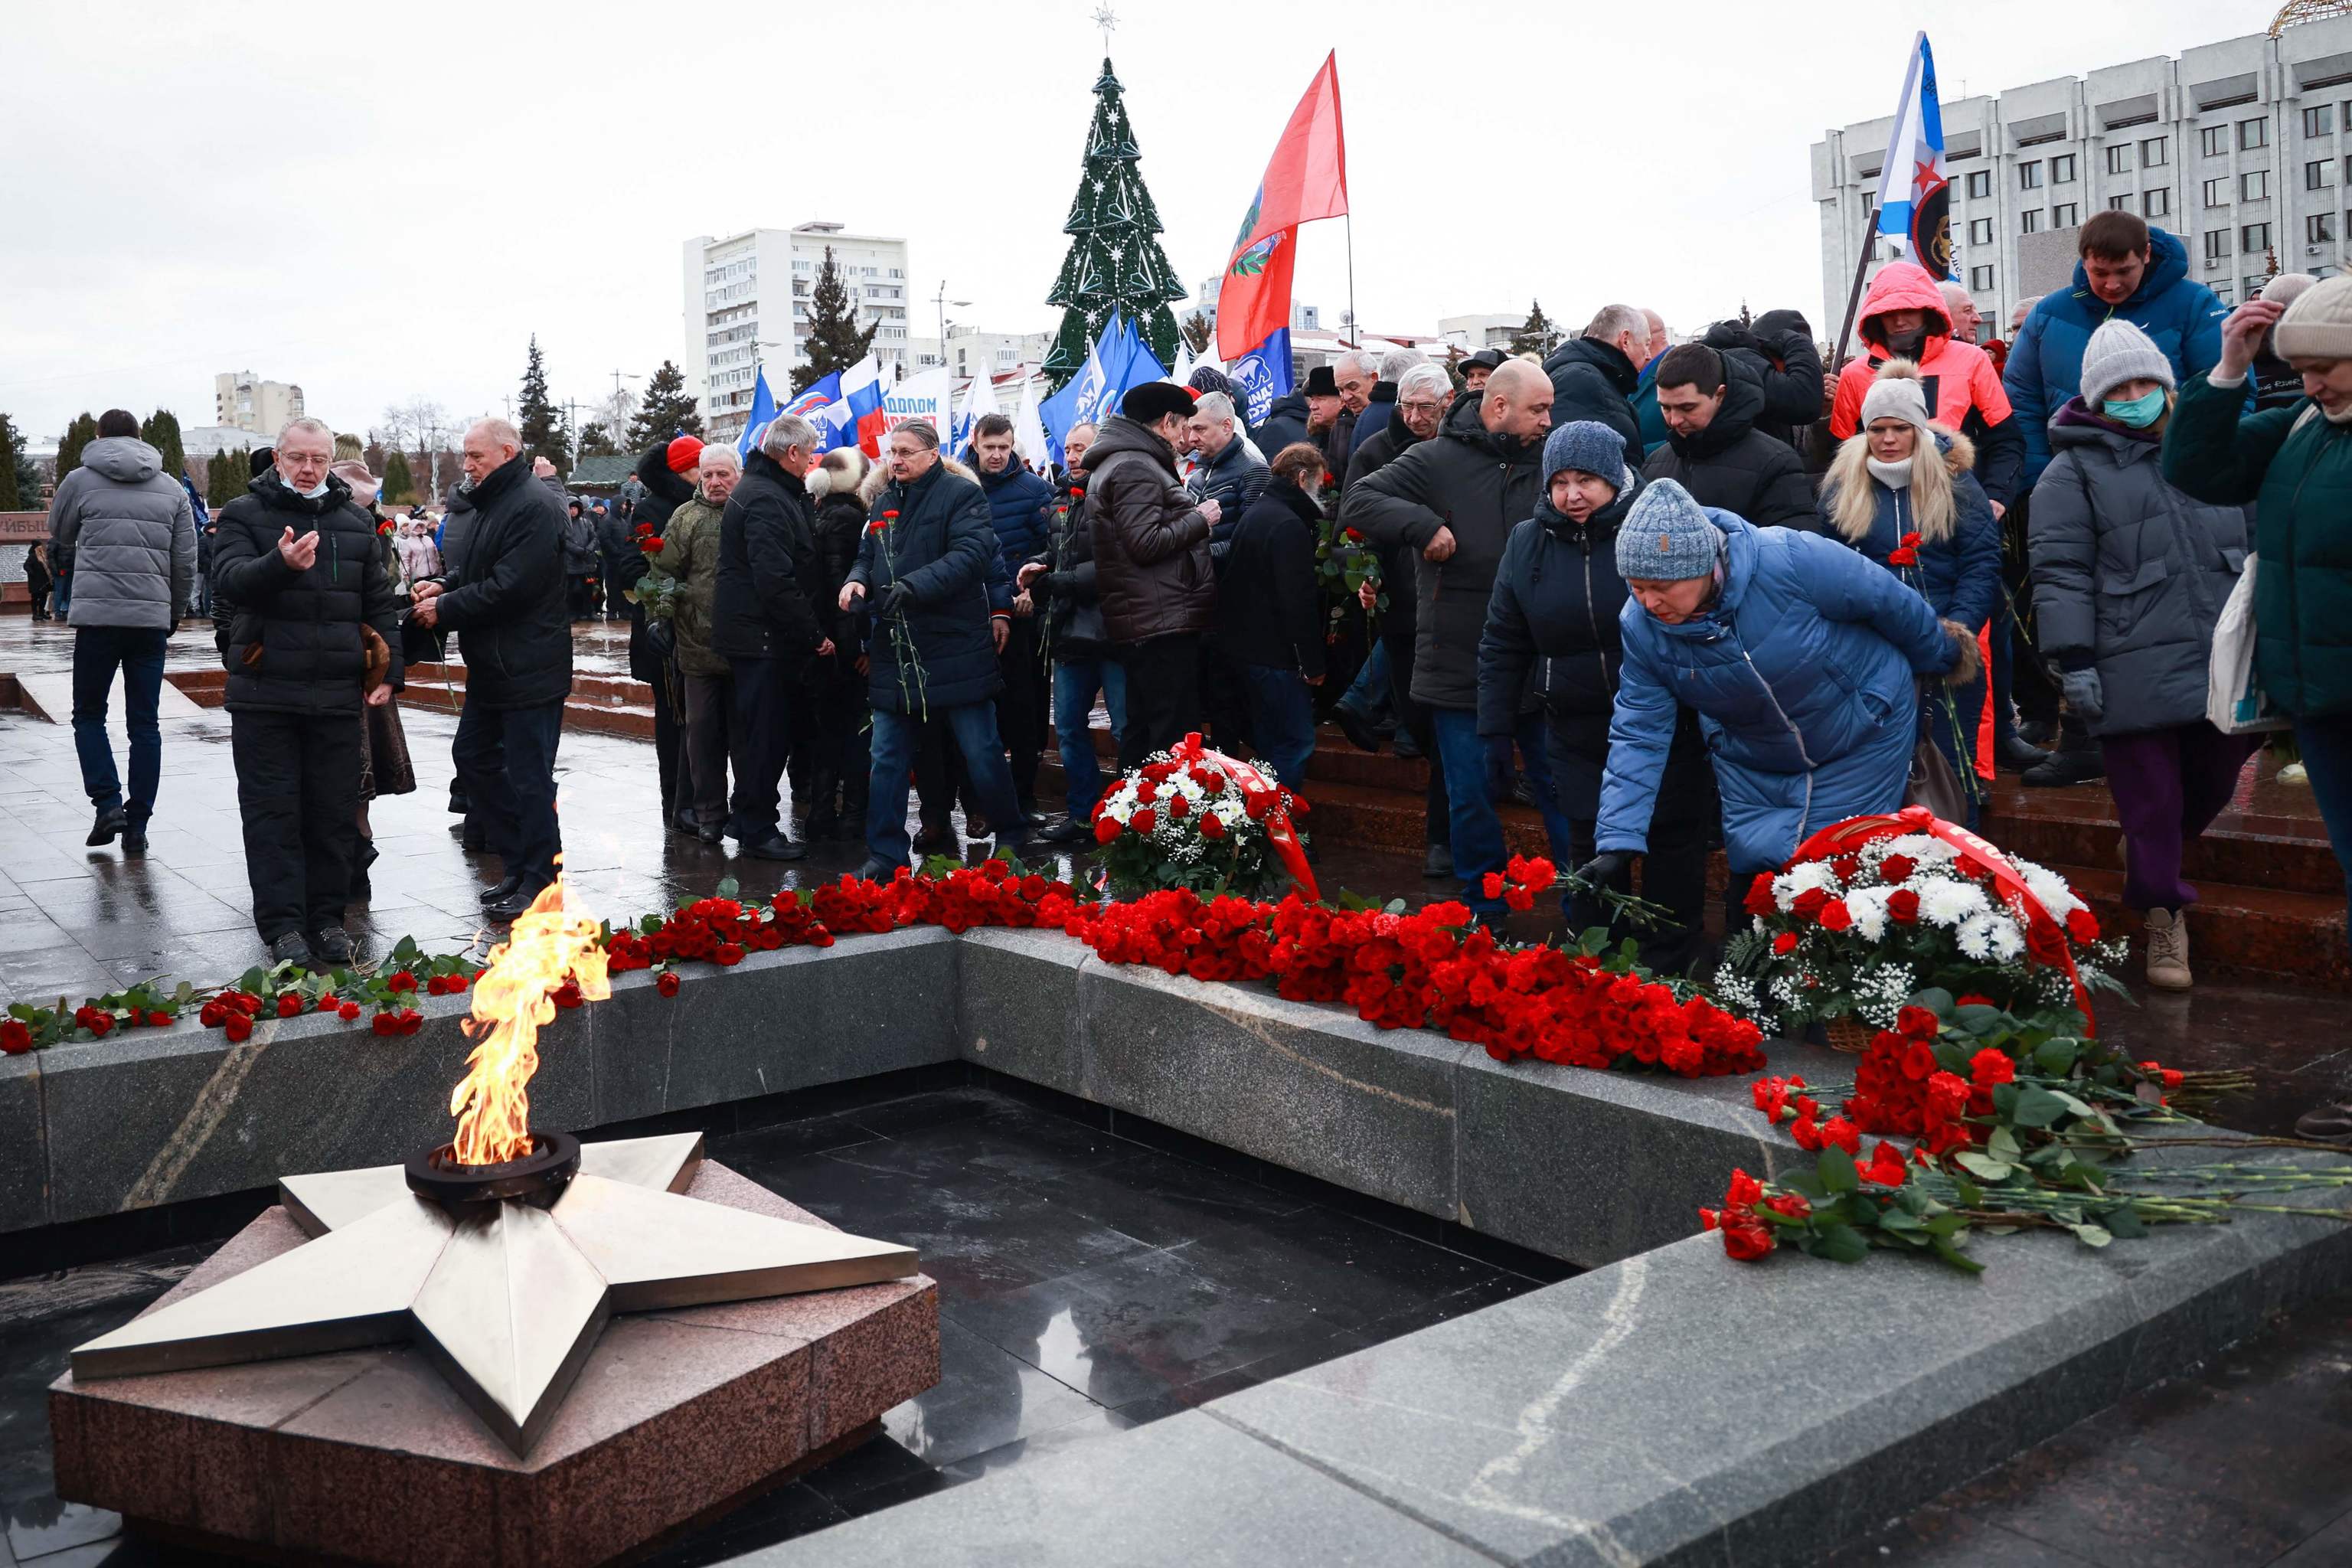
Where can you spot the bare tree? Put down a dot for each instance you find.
(615, 410)
(420, 426)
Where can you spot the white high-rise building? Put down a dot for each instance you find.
(747, 303)
(2241, 150)
(244, 402)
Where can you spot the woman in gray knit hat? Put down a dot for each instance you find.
(2129, 578)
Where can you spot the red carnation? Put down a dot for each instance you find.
(1992, 1065)
(890, 517)
(2082, 926)
(347, 1011)
(1492, 885)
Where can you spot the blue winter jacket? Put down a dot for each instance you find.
(2045, 364)
(1802, 674)
(939, 545)
(1960, 575)
(1017, 504)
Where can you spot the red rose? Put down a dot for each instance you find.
(1897, 868)
(1178, 806)
(1746, 1239)
(1917, 1024)
(1809, 904)
(1785, 943)
(667, 983)
(1106, 829)
(2045, 942)
(2082, 926)
(288, 1004)
(385, 1023)
(1795, 1205)
(1211, 827)
(209, 1016)
(403, 981)
(1835, 916)
(158, 1020)
(1902, 906)
(16, 1037)
(1759, 899)
(238, 1024)
(1142, 822)
(1975, 999)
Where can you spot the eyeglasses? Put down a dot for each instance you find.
(1421, 407)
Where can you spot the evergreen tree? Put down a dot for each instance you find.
(399, 487)
(228, 476)
(1197, 332)
(667, 412)
(80, 434)
(373, 455)
(1114, 261)
(12, 452)
(541, 422)
(1538, 336)
(834, 341)
(161, 430)
(596, 441)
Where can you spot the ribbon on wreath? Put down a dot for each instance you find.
(1287, 847)
(2043, 933)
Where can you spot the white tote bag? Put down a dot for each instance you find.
(2234, 701)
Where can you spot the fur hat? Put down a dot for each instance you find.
(2117, 353)
(839, 472)
(1895, 393)
(1666, 537)
(1586, 445)
(1155, 400)
(683, 455)
(1322, 382)
(2319, 325)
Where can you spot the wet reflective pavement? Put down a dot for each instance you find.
(1088, 1284)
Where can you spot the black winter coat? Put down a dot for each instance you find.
(1780, 349)
(1477, 484)
(1733, 466)
(1268, 610)
(1590, 380)
(762, 605)
(1397, 559)
(840, 524)
(1153, 569)
(1285, 423)
(940, 546)
(295, 645)
(505, 597)
(1073, 609)
(665, 493)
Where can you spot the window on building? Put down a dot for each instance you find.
(2121, 203)
(2319, 120)
(2224, 291)
(2066, 214)
(2062, 169)
(2213, 140)
(2217, 192)
(2253, 239)
(1980, 183)
(2319, 173)
(2029, 176)
(1980, 279)
(2319, 229)
(2030, 221)
(2156, 203)
(2217, 244)
(2156, 152)
(2119, 158)
(1981, 231)
(2254, 133)
(2254, 185)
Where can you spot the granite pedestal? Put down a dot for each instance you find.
(370, 1457)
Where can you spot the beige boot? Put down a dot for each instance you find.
(2168, 949)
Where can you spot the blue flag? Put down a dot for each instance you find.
(1263, 375)
(1118, 361)
(764, 408)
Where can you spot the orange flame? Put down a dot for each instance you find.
(511, 1000)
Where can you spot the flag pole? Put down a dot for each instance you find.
(1355, 325)
(1853, 295)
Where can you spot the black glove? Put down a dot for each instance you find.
(896, 599)
(1604, 868)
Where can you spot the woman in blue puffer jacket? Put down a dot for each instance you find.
(1798, 654)
(1903, 493)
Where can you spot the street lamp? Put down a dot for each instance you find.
(942, 301)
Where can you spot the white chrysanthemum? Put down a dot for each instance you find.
(1990, 939)
(2049, 890)
(1228, 810)
(1801, 878)
(1947, 901)
(1868, 908)
(1920, 847)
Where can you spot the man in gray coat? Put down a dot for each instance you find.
(133, 540)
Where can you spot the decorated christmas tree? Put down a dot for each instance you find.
(1115, 262)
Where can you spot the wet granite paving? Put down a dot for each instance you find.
(1088, 1284)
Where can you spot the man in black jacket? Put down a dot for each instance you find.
(1595, 376)
(1456, 499)
(1711, 402)
(503, 595)
(762, 621)
(1064, 576)
(298, 558)
(1269, 622)
(1780, 349)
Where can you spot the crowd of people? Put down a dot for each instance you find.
(1673, 595)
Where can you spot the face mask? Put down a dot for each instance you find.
(1906, 345)
(313, 493)
(2139, 412)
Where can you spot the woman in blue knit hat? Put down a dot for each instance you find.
(1799, 656)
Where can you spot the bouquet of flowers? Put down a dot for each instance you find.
(1345, 562)
(1197, 819)
(1875, 910)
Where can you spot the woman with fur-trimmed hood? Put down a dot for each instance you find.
(836, 774)
(1903, 493)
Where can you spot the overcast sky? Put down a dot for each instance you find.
(384, 200)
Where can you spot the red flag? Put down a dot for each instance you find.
(1307, 178)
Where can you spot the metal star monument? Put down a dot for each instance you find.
(505, 1298)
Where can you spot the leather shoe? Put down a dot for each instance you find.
(1406, 746)
(514, 903)
(682, 822)
(2073, 766)
(504, 890)
(776, 847)
(1069, 830)
(711, 833)
(107, 824)
(290, 948)
(2017, 753)
(877, 870)
(134, 837)
(1440, 863)
(331, 946)
(1356, 727)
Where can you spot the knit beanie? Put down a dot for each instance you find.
(2319, 324)
(1208, 378)
(684, 455)
(1665, 537)
(1587, 445)
(2287, 287)
(1895, 393)
(2119, 352)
